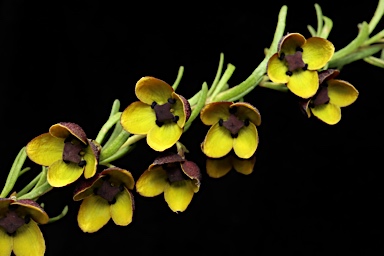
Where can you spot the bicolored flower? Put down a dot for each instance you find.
(219, 167)
(106, 195)
(297, 61)
(331, 96)
(160, 113)
(233, 126)
(67, 152)
(19, 230)
(174, 176)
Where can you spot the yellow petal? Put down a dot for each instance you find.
(276, 70)
(247, 111)
(211, 113)
(6, 243)
(290, 42)
(179, 109)
(149, 89)
(341, 93)
(164, 137)
(304, 83)
(328, 113)
(45, 149)
(61, 174)
(218, 167)
(91, 163)
(244, 166)
(122, 209)
(218, 142)
(317, 52)
(120, 176)
(94, 213)
(152, 183)
(246, 142)
(179, 195)
(29, 241)
(138, 118)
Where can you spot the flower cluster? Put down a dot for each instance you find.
(304, 67)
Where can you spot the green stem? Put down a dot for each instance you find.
(200, 104)
(218, 75)
(14, 172)
(114, 145)
(178, 78)
(379, 12)
(60, 216)
(223, 80)
(113, 118)
(29, 186)
(37, 191)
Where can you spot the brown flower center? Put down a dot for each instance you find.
(164, 112)
(321, 97)
(12, 221)
(108, 190)
(294, 61)
(74, 151)
(174, 172)
(233, 124)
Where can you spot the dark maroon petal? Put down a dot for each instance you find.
(191, 170)
(187, 108)
(328, 74)
(167, 157)
(76, 130)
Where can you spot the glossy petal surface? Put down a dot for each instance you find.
(91, 166)
(218, 167)
(178, 195)
(149, 89)
(6, 243)
(304, 83)
(218, 142)
(45, 149)
(246, 142)
(244, 166)
(328, 113)
(61, 174)
(277, 69)
(341, 93)
(317, 52)
(122, 211)
(29, 240)
(138, 118)
(247, 111)
(164, 137)
(290, 42)
(152, 183)
(93, 214)
(213, 112)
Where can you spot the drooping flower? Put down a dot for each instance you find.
(219, 167)
(174, 176)
(160, 113)
(333, 94)
(107, 195)
(233, 126)
(67, 152)
(19, 230)
(297, 61)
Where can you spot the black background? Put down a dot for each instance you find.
(315, 190)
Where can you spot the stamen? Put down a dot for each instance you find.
(121, 187)
(27, 219)
(171, 101)
(234, 135)
(282, 56)
(246, 122)
(113, 201)
(221, 122)
(153, 104)
(299, 49)
(289, 73)
(305, 67)
(82, 163)
(159, 123)
(232, 110)
(175, 119)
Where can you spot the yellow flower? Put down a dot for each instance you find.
(331, 96)
(19, 230)
(218, 167)
(107, 195)
(174, 176)
(160, 113)
(233, 126)
(297, 61)
(66, 151)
